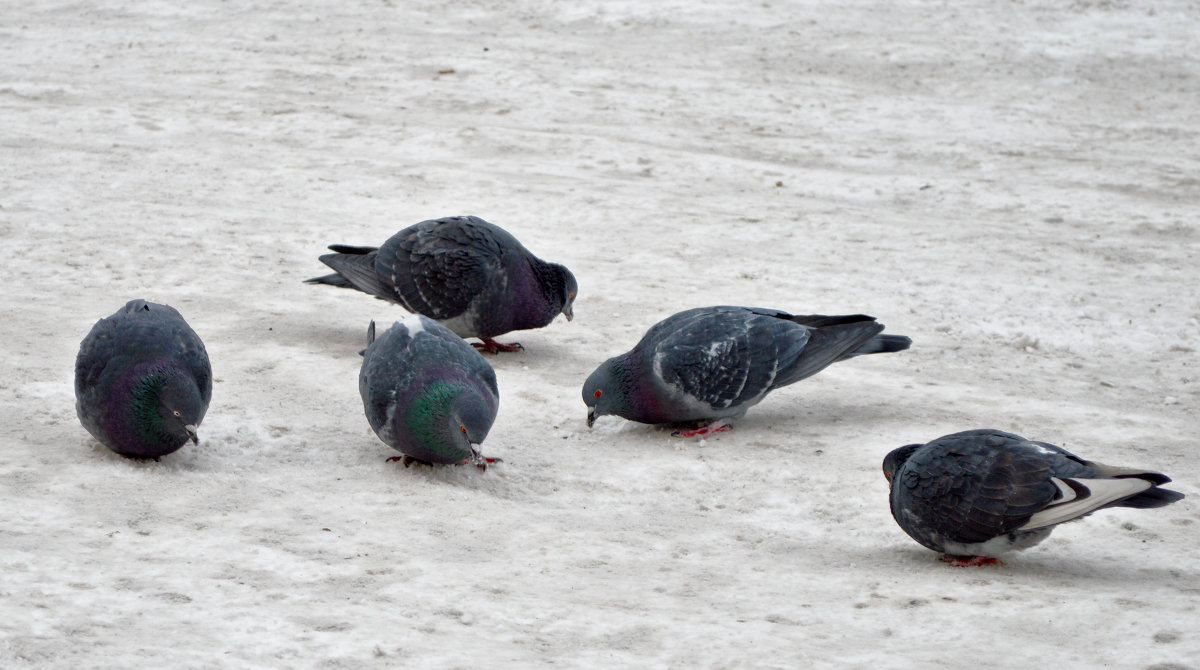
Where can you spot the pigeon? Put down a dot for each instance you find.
(427, 393)
(142, 381)
(471, 276)
(980, 493)
(710, 364)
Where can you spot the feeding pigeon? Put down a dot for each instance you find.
(711, 364)
(980, 493)
(427, 394)
(471, 276)
(142, 381)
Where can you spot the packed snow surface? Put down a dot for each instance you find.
(1012, 184)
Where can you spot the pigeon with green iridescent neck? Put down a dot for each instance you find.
(427, 393)
(982, 493)
(708, 365)
(142, 381)
(461, 271)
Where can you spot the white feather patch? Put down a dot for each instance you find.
(1102, 492)
(999, 545)
(414, 324)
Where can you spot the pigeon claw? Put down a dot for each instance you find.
(493, 347)
(718, 426)
(970, 561)
(480, 461)
(408, 460)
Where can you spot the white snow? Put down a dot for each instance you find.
(1012, 184)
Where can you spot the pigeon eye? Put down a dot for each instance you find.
(463, 428)
(176, 412)
(599, 393)
(571, 296)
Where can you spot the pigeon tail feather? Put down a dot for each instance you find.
(351, 250)
(822, 320)
(331, 280)
(881, 344)
(1151, 498)
(1081, 497)
(828, 345)
(355, 270)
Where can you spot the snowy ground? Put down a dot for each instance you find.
(1013, 184)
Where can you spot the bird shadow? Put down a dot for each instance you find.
(1052, 567)
(321, 337)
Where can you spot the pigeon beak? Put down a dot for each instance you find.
(569, 312)
(191, 431)
(591, 416)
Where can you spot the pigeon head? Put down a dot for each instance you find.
(168, 405)
(608, 390)
(896, 459)
(569, 290)
(452, 419)
(473, 417)
(558, 289)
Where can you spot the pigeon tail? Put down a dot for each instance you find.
(1151, 498)
(822, 320)
(1080, 497)
(351, 250)
(355, 269)
(827, 345)
(881, 344)
(370, 338)
(331, 280)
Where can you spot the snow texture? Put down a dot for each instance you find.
(1012, 184)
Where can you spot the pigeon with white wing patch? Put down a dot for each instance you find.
(978, 494)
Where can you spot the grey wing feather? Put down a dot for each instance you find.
(827, 345)
(970, 492)
(143, 329)
(438, 267)
(725, 356)
(356, 270)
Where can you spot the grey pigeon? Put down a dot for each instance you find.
(710, 364)
(428, 394)
(471, 276)
(980, 493)
(142, 381)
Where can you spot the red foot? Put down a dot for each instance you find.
(714, 427)
(970, 561)
(493, 347)
(481, 462)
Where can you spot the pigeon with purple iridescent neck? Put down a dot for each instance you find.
(461, 271)
(142, 381)
(710, 364)
(978, 494)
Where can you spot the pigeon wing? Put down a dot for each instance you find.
(725, 357)
(437, 268)
(969, 490)
(188, 350)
